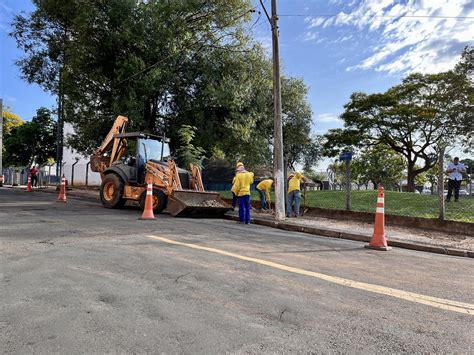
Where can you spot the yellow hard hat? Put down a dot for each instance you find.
(239, 164)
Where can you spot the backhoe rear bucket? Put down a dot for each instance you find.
(188, 203)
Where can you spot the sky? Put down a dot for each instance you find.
(337, 47)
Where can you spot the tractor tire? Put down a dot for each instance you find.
(160, 200)
(111, 191)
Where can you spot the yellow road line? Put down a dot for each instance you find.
(460, 307)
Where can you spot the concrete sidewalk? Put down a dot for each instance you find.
(402, 237)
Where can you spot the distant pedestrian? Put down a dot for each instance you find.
(263, 189)
(294, 194)
(243, 180)
(455, 170)
(34, 176)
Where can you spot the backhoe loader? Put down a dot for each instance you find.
(127, 161)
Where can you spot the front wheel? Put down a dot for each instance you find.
(160, 200)
(111, 192)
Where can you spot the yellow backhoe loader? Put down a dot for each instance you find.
(127, 161)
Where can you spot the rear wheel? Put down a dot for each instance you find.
(111, 191)
(160, 200)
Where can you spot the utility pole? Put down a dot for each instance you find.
(1, 142)
(59, 132)
(278, 166)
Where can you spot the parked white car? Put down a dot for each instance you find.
(426, 191)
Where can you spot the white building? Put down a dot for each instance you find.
(80, 162)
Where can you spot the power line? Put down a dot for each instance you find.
(388, 16)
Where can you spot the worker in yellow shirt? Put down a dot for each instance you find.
(294, 194)
(263, 189)
(243, 180)
(234, 188)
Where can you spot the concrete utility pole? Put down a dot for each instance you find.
(1, 142)
(278, 166)
(60, 133)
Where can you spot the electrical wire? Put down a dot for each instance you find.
(388, 16)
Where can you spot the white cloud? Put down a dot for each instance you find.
(315, 22)
(328, 118)
(406, 44)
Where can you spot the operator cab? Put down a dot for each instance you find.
(142, 147)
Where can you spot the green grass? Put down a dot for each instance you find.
(398, 203)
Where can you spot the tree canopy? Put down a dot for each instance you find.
(165, 65)
(10, 121)
(31, 142)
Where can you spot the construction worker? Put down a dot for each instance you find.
(294, 194)
(243, 180)
(263, 189)
(234, 187)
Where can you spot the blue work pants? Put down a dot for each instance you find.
(244, 209)
(263, 199)
(294, 196)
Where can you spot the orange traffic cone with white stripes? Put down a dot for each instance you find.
(378, 240)
(148, 210)
(62, 190)
(28, 185)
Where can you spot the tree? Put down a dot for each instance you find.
(469, 164)
(379, 165)
(412, 118)
(10, 121)
(32, 142)
(164, 64)
(187, 152)
(299, 145)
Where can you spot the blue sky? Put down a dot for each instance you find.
(368, 46)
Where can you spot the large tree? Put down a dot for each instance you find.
(412, 118)
(164, 64)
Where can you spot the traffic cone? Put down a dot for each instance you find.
(62, 190)
(28, 185)
(148, 210)
(378, 240)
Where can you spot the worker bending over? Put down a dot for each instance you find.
(263, 189)
(243, 180)
(294, 194)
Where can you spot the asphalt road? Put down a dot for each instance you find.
(78, 278)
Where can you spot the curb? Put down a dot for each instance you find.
(356, 237)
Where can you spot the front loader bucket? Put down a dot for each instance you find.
(188, 203)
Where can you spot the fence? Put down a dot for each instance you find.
(76, 174)
(19, 176)
(363, 198)
(424, 202)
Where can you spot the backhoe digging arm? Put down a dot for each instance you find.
(112, 148)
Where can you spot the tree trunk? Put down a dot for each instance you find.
(411, 177)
